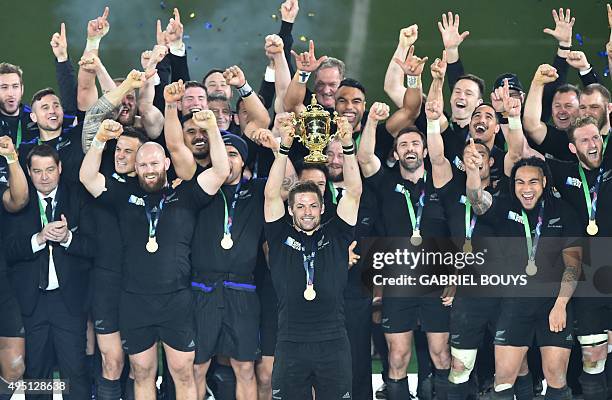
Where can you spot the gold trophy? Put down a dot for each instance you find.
(313, 126)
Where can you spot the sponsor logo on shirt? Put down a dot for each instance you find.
(513, 216)
(400, 188)
(244, 194)
(462, 199)
(61, 145)
(118, 177)
(294, 244)
(322, 243)
(459, 164)
(607, 175)
(136, 200)
(171, 198)
(554, 223)
(573, 182)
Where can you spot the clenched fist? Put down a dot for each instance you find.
(205, 119)
(174, 92)
(378, 112)
(109, 129)
(234, 76)
(545, 74)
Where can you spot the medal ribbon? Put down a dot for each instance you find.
(153, 221)
(533, 247)
(18, 134)
(228, 219)
(309, 259)
(416, 221)
(332, 190)
(590, 203)
(43, 214)
(605, 143)
(469, 223)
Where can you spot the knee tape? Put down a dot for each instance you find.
(595, 367)
(467, 358)
(593, 340)
(502, 386)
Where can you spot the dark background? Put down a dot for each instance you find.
(505, 35)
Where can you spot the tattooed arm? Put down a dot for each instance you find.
(572, 258)
(479, 198)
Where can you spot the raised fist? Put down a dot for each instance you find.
(7, 148)
(433, 110)
(59, 44)
(265, 138)
(90, 63)
(274, 45)
(378, 112)
(344, 132)
(174, 92)
(109, 129)
(285, 123)
(137, 79)
(150, 58)
(408, 36)
(234, 76)
(99, 27)
(545, 74)
(413, 65)
(205, 119)
(578, 60)
(289, 10)
(307, 61)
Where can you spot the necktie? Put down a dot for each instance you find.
(44, 263)
(340, 192)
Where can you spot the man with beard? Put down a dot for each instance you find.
(312, 348)
(550, 140)
(595, 102)
(409, 207)
(585, 184)
(160, 221)
(117, 162)
(216, 85)
(14, 195)
(551, 231)
(49, 245)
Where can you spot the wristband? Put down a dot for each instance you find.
(413, 82)
(98, 144)
(156, 80)
(245, 90)
(284, 150)
(514, 123)
(501, 118)
(270, 75)
(585, 71)
(10, 158)
(177, 48)
(93, 44)
(303, 76)
(433, 126)
(348, 150)
(561, 47)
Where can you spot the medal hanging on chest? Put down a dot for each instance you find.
(153, 215)
(308, 256)
(532, 246)
(470, 223)
(591, 202)
(415, 218)
(228, 220)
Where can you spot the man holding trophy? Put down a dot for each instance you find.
(308, 265)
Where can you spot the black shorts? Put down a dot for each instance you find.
(470, 318)
(11, 324)
(268, 322)
(520, 320)
(227, 323)
(145, 319)
(105, 303)
(326, 366)
(404, 314)
(593, 315)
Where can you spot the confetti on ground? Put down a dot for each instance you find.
(579, 39)
(208, 25)
(192, 15)
(303, 38)
(311, 14)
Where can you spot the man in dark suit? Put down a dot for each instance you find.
(48, 249)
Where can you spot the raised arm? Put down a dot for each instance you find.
(578, 60)
(452, 39)
(92, 64)
(213, 178)
(609, 44)
(16, 196)
(348, 206)
(515, 136)
(368, 161)
(274, 208)
(306, 63)
(257, 115)
(394, 77)
(87, 92)
(90, 175)
(282, 77)
(534, 127)
(151, 117)
(442, 172)
(64, 71)
(182, 158)
(412, 67)
(479, 198)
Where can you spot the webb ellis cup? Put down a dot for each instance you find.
(313, 126)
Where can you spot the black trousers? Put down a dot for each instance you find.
(358, 320)
(54, 335)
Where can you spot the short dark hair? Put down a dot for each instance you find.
(532, 162)
(302, 166)
(579, 123)
(42, 150)
(130, 131)
(190, 84)
(218, 97)
(209, 73)
(40, 94)
(304, 187)
(6, 68)
(599, 88)
(407, 130)
(332, 62)
(240, 100)
(480, 142)
(476, 79)
(349, 82)
(566, 88)
(484, 103)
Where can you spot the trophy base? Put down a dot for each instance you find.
(316, 157)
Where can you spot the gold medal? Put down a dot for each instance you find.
(592, 228)
(467, 246)
(416, 238)
(227, 241)
(531, 269)
(152, 245)
(309, 293)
